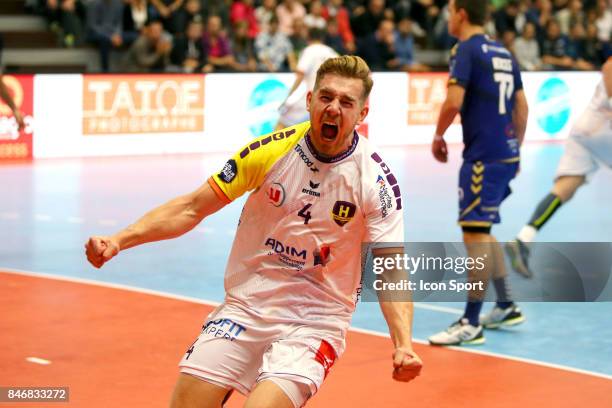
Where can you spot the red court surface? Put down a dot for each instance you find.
(120, 348)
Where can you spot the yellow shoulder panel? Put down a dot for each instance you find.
(246, 170)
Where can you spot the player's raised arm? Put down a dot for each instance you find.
(398, 314)
(8, 99)
(170, 220)
(520, 114)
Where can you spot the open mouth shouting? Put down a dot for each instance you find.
(329, 131)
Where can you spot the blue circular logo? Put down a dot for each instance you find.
(263, 106)
(553, 105)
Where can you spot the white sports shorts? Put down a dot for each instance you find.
(583, 154)
(237, 349)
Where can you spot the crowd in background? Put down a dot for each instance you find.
(268, 35)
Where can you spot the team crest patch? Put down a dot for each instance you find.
(343, 212)
(276, 194)
(229, 171)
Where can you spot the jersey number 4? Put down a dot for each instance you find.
(305, 214)
(506, 88)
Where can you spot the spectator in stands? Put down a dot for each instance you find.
(314, 18)
(191, 10)
(555, 48)
(170, 14)
(576, 48)
(135, 15)
(527, 49)
(104, 25)
(151, 50)
(441, 38)
(570, 15)
(333, 38)
(592, 47)
(425, 13)
(188, 52)
(604, 20)
(287, 12)
(299, 38)
(217, 46)
(243, 48)
(243, 10)
(335, 11)
(377, 48)
(264, 14)
(218, 8)
(541, 14)
(65, 18)
(402, 8)
(506, 18)
(365, 21)
(274, 50)
(507, 39)
(404, 47)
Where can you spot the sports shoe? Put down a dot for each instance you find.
(459, 333)
(499, 317)
(518, 252)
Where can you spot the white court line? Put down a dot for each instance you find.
(10, 215)
(355, 329)
(37, 360)
(498, 355)
(436, 308)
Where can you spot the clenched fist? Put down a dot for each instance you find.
(99, 250)
(406, 365)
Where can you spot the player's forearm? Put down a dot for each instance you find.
(397, 311)
(399, 320)
(519, 117)
(299, 76)
(446, 117)
(167, 221)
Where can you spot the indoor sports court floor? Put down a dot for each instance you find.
(115, 335)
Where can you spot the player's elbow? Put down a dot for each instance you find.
(453, 105)
(454, 98)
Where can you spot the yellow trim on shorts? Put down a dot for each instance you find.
(470, 207)
(511, 160)
(475, 223)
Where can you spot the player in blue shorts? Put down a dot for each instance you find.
(485, 87)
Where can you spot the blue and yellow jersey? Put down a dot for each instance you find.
(491, 77)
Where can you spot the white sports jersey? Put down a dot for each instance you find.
(597, 117)
(296, 256)
(311, 59)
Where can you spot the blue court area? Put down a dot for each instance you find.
(48, 209)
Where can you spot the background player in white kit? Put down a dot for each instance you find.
(293, 109)
(293, 276)
(590, 142)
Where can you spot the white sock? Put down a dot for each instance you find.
(527, 234)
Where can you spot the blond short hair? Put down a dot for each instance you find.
(348, 66)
